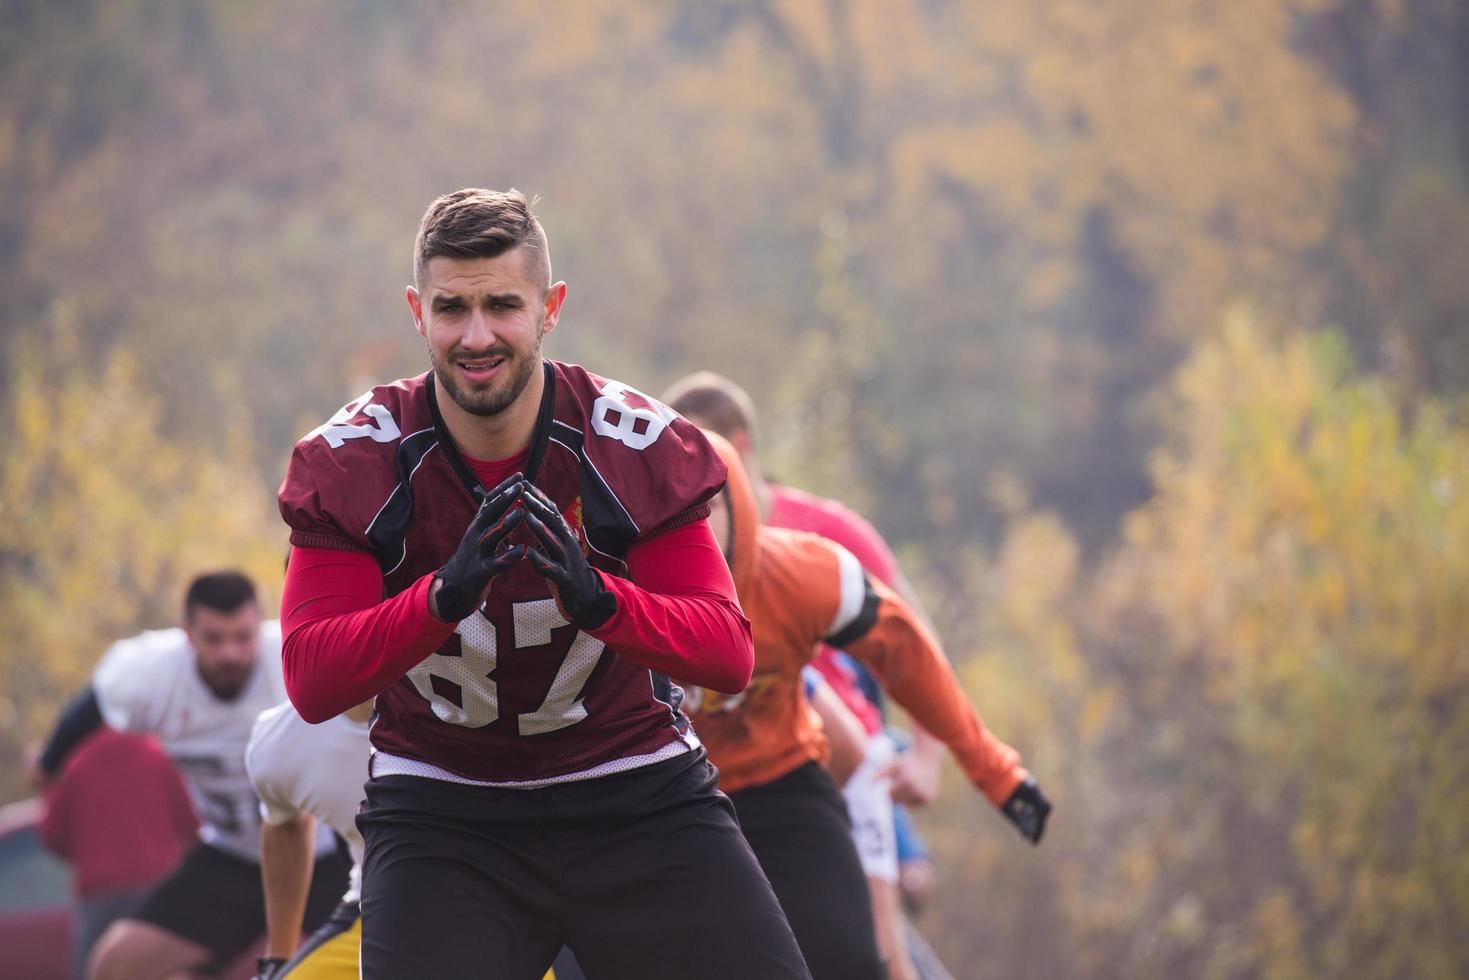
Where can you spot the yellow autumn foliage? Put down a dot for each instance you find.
(103, 521)
(1254, 713)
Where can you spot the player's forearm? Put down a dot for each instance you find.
(343, 643)
(844, 733)
(678, 614)
(913, 669)
(701, 639)
(286, 853)
(333, 663)
(925, 743)
(80, 718)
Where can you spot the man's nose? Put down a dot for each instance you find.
(480, 332)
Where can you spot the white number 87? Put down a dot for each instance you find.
(461, 691)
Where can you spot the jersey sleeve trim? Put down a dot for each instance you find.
(693, 515)
(314, 539)
(857, 606)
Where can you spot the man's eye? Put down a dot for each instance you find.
(450, 308)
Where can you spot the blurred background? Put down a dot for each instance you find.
(1140, 329)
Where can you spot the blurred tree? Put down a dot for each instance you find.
(953, 250)
(1402, 231)
(1037, 201)
(1254, 717)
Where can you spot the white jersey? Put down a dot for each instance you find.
(319, 769)
(150, 685)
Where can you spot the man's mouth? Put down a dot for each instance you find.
(480, 368)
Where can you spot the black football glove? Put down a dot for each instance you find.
(1027, 808)
(479, 557)
(266, 967)
(584, 600)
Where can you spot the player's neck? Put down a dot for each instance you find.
(493, 437)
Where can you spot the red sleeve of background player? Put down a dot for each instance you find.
(344, 644)
(678, 614)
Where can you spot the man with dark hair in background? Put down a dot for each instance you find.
(197, 688)
(533, 782)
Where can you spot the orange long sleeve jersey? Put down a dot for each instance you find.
(798, 590)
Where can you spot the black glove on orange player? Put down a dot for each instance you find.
(479, 558)
(1028, 808)
(584, 600)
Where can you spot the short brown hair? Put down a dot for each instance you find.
(475, 223)
(714, 402)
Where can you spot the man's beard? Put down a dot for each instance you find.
(497, 398)
(226, 685)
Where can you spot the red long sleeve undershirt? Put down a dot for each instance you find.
(677, 614)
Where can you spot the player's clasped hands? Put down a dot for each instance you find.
(559, 558)
(482, 554)
(485, 552)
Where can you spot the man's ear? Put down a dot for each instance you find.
(415, 303)
(551, 313)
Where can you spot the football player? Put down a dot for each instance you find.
(513, 554)
(798, 590)
(197, 689)
(119, 813)
(304, 773)
(718, 404)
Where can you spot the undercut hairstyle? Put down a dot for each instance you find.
(476, 223)
(223, 592)
(714, 402)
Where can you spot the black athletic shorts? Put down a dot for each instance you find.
(217, 900)
(643, 874)
(799, 829)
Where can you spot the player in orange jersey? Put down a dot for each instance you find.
(798, 590)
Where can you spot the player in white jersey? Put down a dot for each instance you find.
(198, 689)
(300, 771)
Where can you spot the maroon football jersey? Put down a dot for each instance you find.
(516, 694)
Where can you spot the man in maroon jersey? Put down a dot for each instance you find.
(533, 782)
